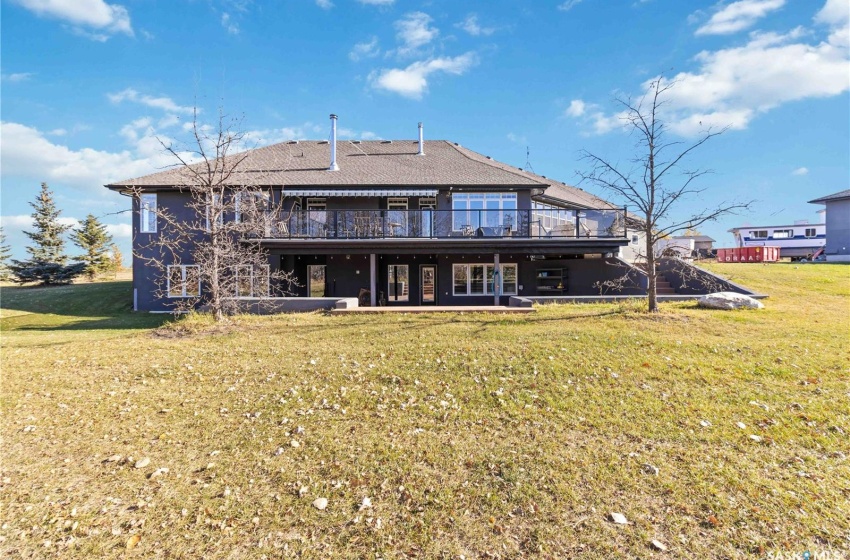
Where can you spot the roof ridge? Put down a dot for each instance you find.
(497, 164)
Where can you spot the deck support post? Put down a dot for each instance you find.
(373, 281)
(497, 278)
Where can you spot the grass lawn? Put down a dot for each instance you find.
(472, 436)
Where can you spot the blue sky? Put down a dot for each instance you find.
(88, 86)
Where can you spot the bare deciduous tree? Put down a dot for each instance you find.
(655, 183)
(208, 251)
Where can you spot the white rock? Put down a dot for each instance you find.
(303, 491)
(705, 423)
(114, 458)
(142, 463)
(294, 443)
(619, 519)
(728, 300)
(756, 438)
(320, 503)
(650, 469)
(741, 425)
(659, 545)
(158, 472)
(367, 503)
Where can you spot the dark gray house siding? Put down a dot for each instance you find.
(448, 174)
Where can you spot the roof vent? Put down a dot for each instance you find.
(421, 142)
(292, 142)
(386, 141)
(333, 166)
(355, 141)
(488, 157)
(323, 142)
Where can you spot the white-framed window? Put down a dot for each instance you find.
(250, 204)
(184, 280)
(474, 210)
(397, 203)
(477, 279)
(251, 280)
(147, 213)
(214, 209)
(398, 282)
(783, 234)
(550, 217)
(811, 232)
(758, 234)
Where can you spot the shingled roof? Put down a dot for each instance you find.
(378, 163)
(840, 195)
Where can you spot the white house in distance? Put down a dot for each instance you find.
(837, 225)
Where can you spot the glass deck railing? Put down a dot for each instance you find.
(438, 224)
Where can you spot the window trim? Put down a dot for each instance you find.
(814, 233)
(463, 216)
(487, 267)
(757, 234)
(253, 276)
(785, 234)
(145, 212)
(183, 275)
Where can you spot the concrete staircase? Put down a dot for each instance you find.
(662, 286)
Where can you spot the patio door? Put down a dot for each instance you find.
(428, 285)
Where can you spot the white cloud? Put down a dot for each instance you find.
(738, 16)
(577, 108)
(81, 14)
(732, 86)
(516, 138)
(119, 230)
(18, 77)
(377, 2)
(471, 26)
(414, 32)
(569, 5)
(164, 103)
(28, 154)
(18, 222)
(57, 132)
(800, 171)
(412, 81)
(365, 50)
(836, 15)
(228, 24)
(325, 4)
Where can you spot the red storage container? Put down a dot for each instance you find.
(748, 254)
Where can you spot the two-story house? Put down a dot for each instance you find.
(408, 222)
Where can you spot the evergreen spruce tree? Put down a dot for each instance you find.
(46, 264)
(5, 253)
(117, 260)
(92, 238)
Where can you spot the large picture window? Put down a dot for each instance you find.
(184, 280)
(473, 210)
(478, 279)
(147, 213)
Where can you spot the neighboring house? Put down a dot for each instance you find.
(701, 246)
(411, 222)
(837, 225)
(798, 241)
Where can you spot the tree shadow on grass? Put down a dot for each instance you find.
(101, 305)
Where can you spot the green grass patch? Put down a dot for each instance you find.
(485, 436)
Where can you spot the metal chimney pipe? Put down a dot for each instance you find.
(334, 166)
(421, 142)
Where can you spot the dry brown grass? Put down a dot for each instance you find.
(474, 435)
